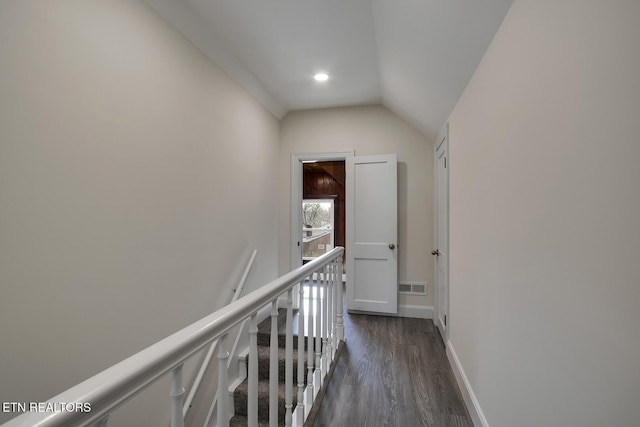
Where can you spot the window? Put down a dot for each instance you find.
(317, 227)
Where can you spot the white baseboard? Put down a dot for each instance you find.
(477, 416)
(415, 311)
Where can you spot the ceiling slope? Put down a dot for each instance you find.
(414, 56)
(285, 42)
(428, 51)
(184, 19)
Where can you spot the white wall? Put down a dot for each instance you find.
(368, 130)
(135, 180)
(545, 218)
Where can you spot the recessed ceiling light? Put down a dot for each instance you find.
(321, 77)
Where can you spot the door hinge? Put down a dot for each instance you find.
(445, 162)
(298, 244)
(445, 320)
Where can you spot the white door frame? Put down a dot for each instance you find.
(297, 159)
(443, 140)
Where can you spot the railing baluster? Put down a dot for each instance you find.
(177, 391)
(288, 364)
(273, 367)
(310, 334)
(252, 402)
(223, 383)
(300, 407)
(324, 319)
(318, 325)
(339, 321)
(335, 306)
(329, 318)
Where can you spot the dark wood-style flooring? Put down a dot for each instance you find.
(393, 372)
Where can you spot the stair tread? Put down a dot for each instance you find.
(243, 421)
(263, 387)
(264, 362)
(241, 396)
(265, 351)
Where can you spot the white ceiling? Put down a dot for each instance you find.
(414, 56)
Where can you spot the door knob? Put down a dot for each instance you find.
(435, 252)
(392, 246)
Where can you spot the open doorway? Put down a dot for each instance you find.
(317, 176)
(323, 207)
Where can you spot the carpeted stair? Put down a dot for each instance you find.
(240, 395)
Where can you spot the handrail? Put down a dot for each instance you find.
(243, 279)
(212, 348)
(114, 386)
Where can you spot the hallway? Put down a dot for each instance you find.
(393, 372)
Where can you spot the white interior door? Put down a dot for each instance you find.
(371, 233)
(441, 253)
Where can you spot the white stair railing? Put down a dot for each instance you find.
(113, 387)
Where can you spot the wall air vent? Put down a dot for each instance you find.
(419, 289)
(412, 288)
(404, 288)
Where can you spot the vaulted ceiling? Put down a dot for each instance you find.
(413, 56)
